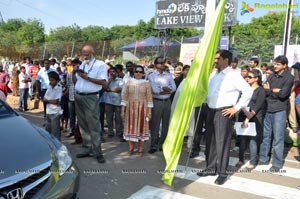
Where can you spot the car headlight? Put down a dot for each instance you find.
(64, 159)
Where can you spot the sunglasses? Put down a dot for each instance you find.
(250, 77)
(141, 72)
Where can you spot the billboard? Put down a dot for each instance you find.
(188, 51)
(292, 53)
(189, 13)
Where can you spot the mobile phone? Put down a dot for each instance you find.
(80, 70)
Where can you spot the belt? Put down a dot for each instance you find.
(94, 93)
(220, 109)
(163, 100)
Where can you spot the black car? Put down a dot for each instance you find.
(33, 163)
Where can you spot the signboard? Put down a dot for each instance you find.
(230, 16)
(292, 53)
(188, 51)
(224, 43)
(180, 13)
(189, 13)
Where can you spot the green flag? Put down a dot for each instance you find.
(193, 93)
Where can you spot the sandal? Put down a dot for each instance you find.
(130, 152)
(251, 167)
(139, 154)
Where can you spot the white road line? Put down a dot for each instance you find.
(30, 115)
(285, 171)
(242, 184)
(150, 192)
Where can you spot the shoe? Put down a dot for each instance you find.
(193, 155)
(122, 140)
(251, 167)
(110, 136)
(103, 140)
(274, 169)
(26, 109)
(70, 135)
(84, 155)
(100, 159)
(239, 164)
(160, 149)
(20, 109)
(152, 151)
(31, 98)
(207, 172)
(262, 163)
(221, 180)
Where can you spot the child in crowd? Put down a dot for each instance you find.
(52, 99)
(64, 104)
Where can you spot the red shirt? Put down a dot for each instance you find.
(34, 70)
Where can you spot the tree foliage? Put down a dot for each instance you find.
(259, 37)
(255, 38)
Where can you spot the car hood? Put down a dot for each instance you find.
(21, 147)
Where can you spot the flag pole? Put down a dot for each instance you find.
(287, 27)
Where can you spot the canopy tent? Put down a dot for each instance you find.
(194, 39)
(129, 56)
(149, 42)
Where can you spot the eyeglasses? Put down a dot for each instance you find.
(141, 72)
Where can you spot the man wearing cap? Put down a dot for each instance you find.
(89, 80)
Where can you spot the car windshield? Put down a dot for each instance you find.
(5, 110)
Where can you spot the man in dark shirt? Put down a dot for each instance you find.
(278, 88)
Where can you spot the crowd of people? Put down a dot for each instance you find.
(81, 94)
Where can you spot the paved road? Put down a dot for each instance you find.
(124, 176)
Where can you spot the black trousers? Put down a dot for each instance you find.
(199, 127)
(218, 139)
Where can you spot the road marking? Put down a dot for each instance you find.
(150, 192)
(285, 171)
(241, 184)
(26, 114)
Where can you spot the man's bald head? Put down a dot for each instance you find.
(88, 52)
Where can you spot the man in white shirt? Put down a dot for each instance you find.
(224, 88)
(89, 80)
(24, 78)
(254, 65)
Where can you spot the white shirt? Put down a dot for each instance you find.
(95, 69)
(53, 94)
(224, 89)
(23, 76)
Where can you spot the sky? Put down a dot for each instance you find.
(106, 13)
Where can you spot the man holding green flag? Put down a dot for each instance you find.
(193, 93)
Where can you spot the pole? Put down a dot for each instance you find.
(287, 29)
(103, 48)
(44, 53)
(72, 51)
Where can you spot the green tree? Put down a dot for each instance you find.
(66, 33)
(95, 33)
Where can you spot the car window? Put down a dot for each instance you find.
(5, 110)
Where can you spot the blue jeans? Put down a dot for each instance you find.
(23, 98)
(273, 123)
(252, 141)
